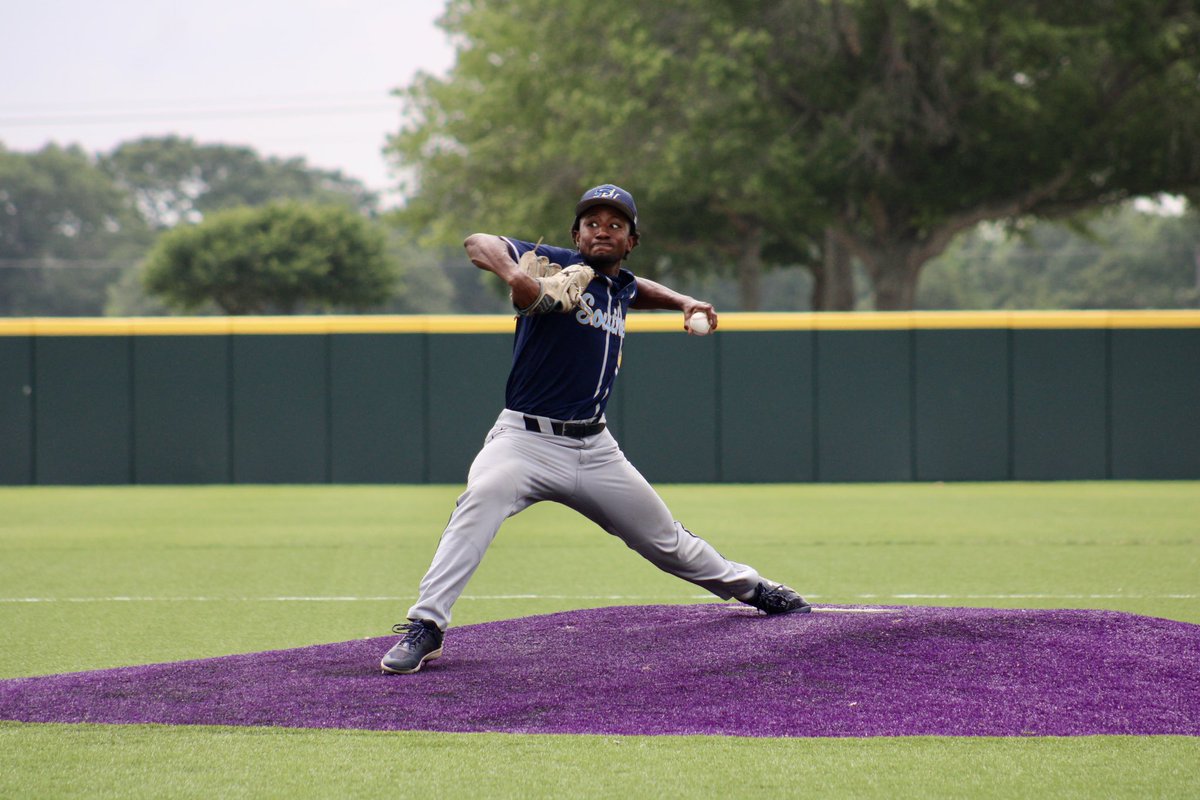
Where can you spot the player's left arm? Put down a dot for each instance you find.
(652, 295)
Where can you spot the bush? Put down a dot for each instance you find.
(279, 258)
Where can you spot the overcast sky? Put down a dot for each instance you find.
(307, 78)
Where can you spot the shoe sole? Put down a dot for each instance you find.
(800, 610)
(428, 657)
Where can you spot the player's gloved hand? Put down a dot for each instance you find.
(562, 291)
(537, 266)
(558, 289)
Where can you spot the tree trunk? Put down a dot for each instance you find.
(833, 281)
(894, 279)
(749, 270)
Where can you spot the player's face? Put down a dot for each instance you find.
(604, 238)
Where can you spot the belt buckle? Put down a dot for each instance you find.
(581, 430)
(571, 428)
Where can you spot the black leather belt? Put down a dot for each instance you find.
(576, 430)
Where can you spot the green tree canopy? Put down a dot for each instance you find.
(74, 226)
(64, 223)
(174, 179)
(1125, 258)
(945, 114)
(661, 98)
(775, 133)
(282, 257)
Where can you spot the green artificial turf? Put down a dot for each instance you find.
(153, 761)
(100, 577)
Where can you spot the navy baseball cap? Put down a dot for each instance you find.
(607, 195)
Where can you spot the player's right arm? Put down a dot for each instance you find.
(491, 253)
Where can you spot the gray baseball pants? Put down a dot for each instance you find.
(517, 468)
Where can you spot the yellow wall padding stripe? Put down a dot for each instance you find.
(638, 321)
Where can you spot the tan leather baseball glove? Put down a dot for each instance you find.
(558, 289)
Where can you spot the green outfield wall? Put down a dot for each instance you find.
(915, 396)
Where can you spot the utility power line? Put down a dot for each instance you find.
(108, 118)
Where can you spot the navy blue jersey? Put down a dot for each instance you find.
(564, 365)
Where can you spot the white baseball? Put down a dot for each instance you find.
(698, 323)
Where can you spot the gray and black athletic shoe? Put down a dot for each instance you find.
(422, 642)
(775, 598)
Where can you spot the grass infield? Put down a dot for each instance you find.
(101, 577)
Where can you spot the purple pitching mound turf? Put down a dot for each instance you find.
(695, 669)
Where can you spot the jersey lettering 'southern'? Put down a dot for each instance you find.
(598, 318)
(564, 365)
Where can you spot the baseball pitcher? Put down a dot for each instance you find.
(550, 441)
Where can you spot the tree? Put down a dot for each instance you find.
(66, 230)
(74, 227)
(282, 257)
(423, 287)
(1118, 258)
(940, 115)
(661, 98)
(806, 131)
(174, 179)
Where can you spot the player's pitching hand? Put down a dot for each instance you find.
(699, 319)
